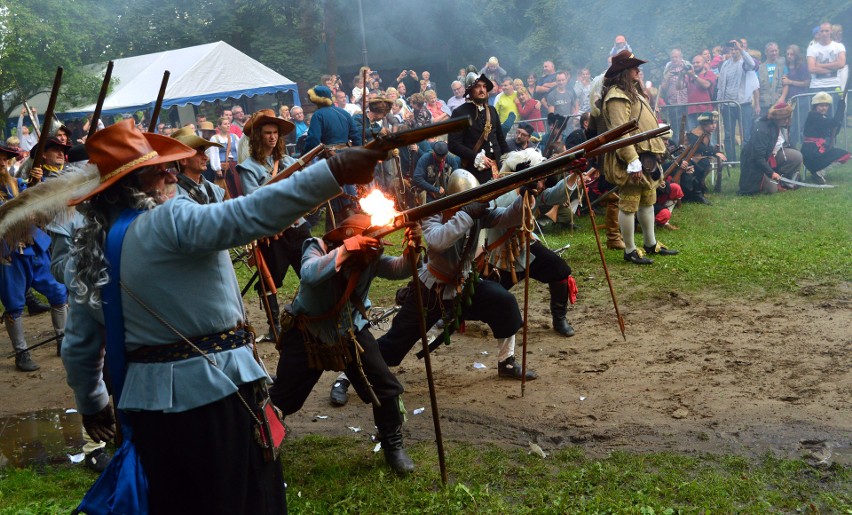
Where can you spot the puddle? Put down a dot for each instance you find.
(40, 437)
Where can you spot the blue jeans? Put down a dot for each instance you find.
(730, 119)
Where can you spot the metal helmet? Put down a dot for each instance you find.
(822, 98)
(461, 180)
(470, 80)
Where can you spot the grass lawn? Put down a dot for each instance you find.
(761, 247)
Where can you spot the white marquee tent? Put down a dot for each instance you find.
(203, 73)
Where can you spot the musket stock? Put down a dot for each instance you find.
(604, 138)
(684, 156)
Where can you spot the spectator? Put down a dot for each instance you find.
(583, 90)
(561, 100)
(734, 85)
(673, 89)
(436, 107)
(547, 82)
(28, 139)
(796, 81)
(458, 96)
(818, 151)
(505, 103)
(298, 115)
(826, 59)
(410, 81)
(284, 112)
(620, 44)
(529, 110)
(402, 89)
(422, 116)
(227, 151)
(700, 83)
(342, 102)
(239, 120)
(495, 74)
(425, 76)
(357, 90)
(769, 77)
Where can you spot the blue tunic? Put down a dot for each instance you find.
(175, 259)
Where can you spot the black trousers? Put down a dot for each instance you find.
(295, 380)
(285, 252)
(547, 267)
(206, 460)
(491, 304)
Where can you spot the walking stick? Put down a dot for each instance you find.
(413, 255)
(528, 233)
(159, 104)
(603, 260)
(93, 124)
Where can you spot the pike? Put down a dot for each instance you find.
(159, 103)
(48, 119)
(93, 124)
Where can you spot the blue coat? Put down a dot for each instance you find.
(175, 258)
(332, 125)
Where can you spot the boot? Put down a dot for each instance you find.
(58, 315)
(559, 307)
(613, 233)
(389, 423)
(15, 327)
(273, 308)
(34, 306)
(339, 395)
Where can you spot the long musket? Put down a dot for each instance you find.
(684, 156)
(93, 124)
(48, 119)
(300, 163)
(364, 119)
(159, 104)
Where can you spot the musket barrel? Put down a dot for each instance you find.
(48, 119)
(159, 104)
(93, 124)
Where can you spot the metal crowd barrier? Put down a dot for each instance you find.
(800, 115)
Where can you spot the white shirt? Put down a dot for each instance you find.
(824, 54)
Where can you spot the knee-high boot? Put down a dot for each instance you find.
(613, 232)
(559, 307)
(58, 315)
(275, 325)
(15, 327)
(389, 423)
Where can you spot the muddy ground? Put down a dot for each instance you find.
(696, 374)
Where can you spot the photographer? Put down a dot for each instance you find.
(674, 91)
(411, 81)
(700, 87)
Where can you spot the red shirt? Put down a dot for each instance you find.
(528, 111)
(235, 129)
(695, 93)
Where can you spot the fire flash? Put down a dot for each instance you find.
(379, 207)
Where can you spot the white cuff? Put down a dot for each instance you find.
(634, 166)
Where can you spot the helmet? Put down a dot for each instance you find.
(461, 180)
(472, 78)
(822, 98)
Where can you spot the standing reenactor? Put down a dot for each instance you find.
(480, 146)
(191, 182)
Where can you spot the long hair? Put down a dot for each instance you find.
(87, 249)
(623, 82)
(797, 57)
(8, 182)
(256, 144)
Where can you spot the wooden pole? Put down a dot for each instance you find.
(93, 124)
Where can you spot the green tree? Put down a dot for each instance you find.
(35, 40)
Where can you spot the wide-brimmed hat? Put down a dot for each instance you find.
(188, 137)
(623, 61)
(780, 111)
(53, 142)
(380, 104)
(351, 226)
(122, 148)
(8, 152)
(267, 116)
(206, 126)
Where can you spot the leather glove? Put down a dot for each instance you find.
(101, 425)
(476, 210)
(355, 165)
(634, 166)
(359, 243)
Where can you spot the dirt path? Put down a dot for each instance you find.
(696, 374)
